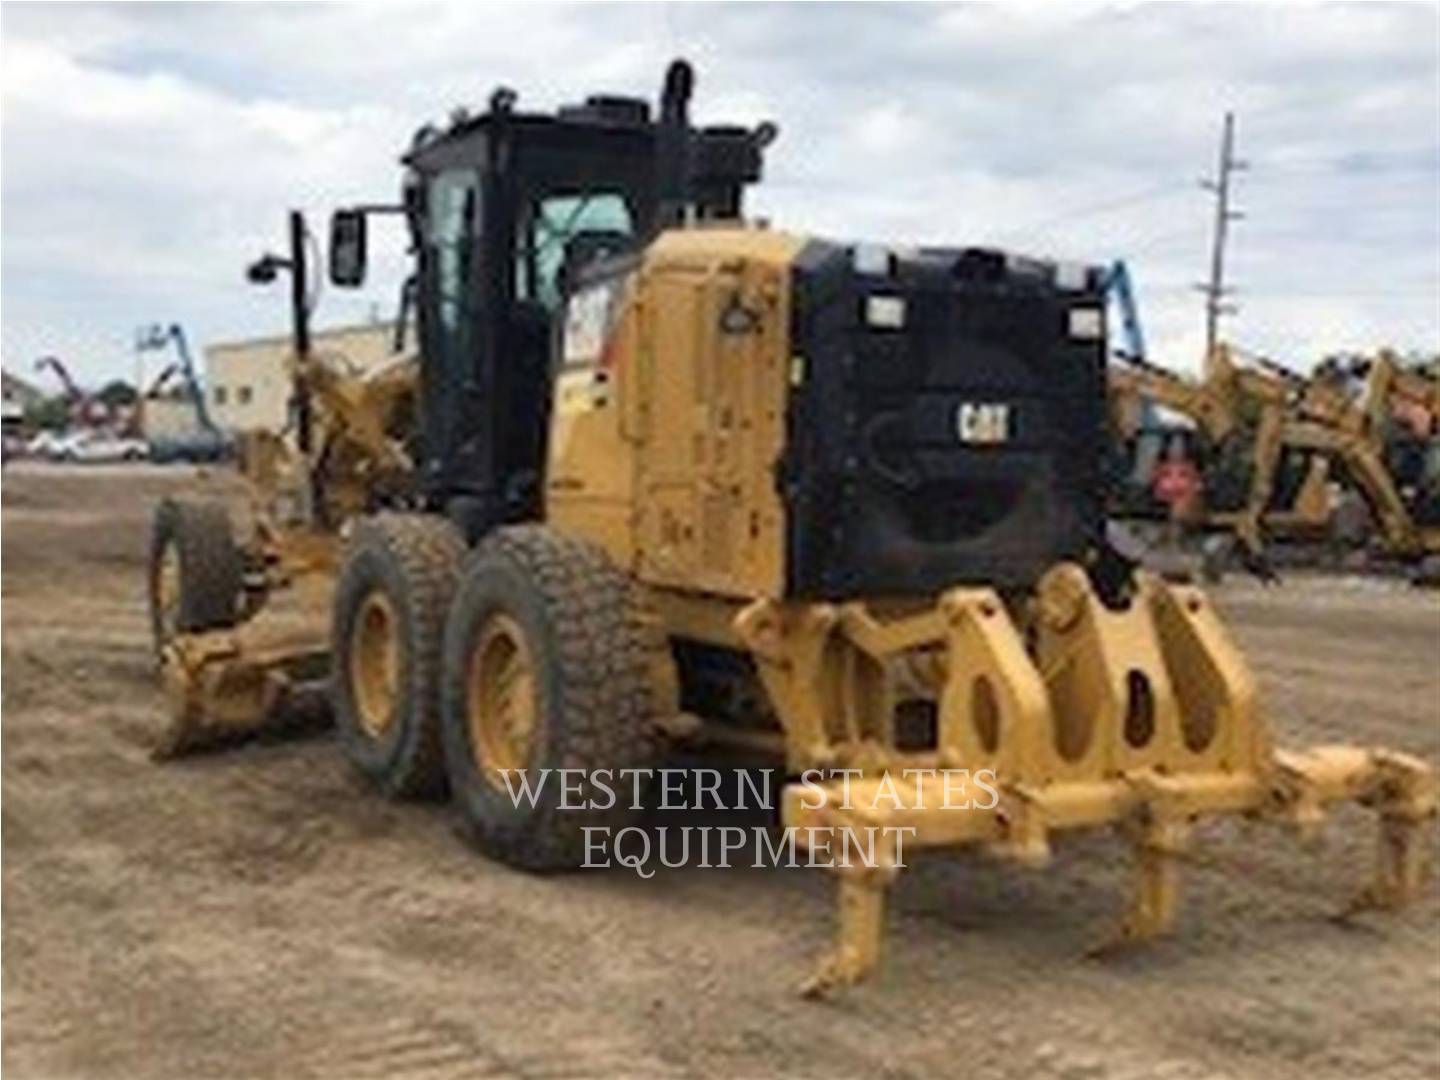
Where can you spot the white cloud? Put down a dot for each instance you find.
(149, 151)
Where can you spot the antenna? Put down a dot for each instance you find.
(1215, 289)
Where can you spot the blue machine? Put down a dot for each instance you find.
(210, 443)
(1119, 291)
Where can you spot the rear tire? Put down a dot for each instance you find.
(196, 571)
(395, 584)
(565, 628)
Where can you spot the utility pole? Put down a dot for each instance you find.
(1215, 289)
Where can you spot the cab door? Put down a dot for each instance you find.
(450, 312)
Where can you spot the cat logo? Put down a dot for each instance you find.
(982, 423)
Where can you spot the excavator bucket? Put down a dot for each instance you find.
(1138, 713)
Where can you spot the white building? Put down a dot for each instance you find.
(19, 396)
(169, 417)
(247, 383)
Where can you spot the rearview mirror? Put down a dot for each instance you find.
(347, 248)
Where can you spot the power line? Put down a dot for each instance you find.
(1358, 168)
(1264, 291)
(1149, 194)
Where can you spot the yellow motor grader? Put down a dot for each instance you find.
(672, 473)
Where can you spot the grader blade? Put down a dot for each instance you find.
(1139, 715)
(262, 675)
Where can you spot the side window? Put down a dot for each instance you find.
(219, 395)
(554, 221)
(453, 214)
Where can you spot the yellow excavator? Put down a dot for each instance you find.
(1378, 419)
(669, 474)
(1276, 445)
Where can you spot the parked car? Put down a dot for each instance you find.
(47, 444)
(99, 446)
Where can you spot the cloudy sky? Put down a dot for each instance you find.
(149, 151)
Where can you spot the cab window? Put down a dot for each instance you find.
(552, 222)
(453, 216)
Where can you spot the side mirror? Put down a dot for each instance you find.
(347, 248)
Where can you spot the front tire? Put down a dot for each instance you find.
(196, 572)
(548, 666)
(395, 584)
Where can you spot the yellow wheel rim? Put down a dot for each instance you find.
(167, 593)
(502, 705)
(375, 664)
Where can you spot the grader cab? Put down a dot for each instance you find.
(674, 475)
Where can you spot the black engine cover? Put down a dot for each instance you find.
(951, 431)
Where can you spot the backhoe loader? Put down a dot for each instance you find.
(669, 471)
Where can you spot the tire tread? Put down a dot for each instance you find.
(603, 640)
(427, 550)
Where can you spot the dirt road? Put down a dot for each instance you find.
(259, 913)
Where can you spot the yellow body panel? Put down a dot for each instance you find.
(669, 465)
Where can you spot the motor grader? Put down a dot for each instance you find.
(674, 473)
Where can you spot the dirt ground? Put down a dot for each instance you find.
(260, 913)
